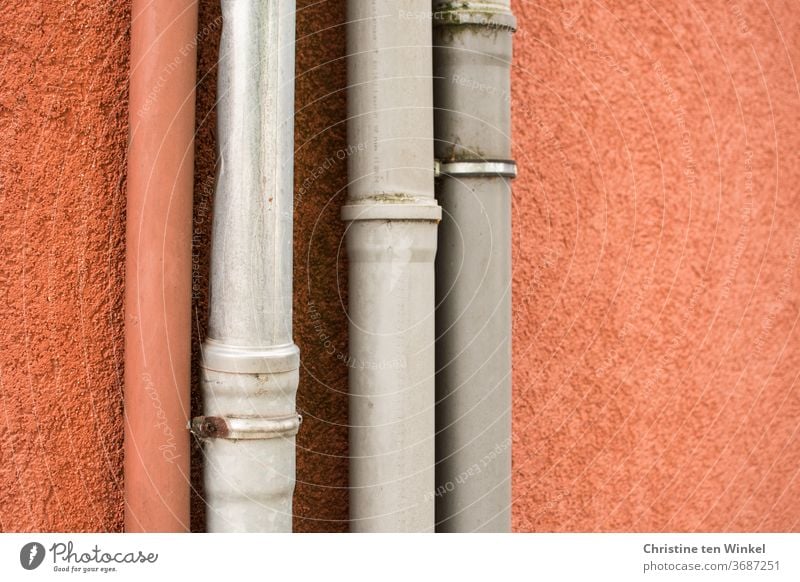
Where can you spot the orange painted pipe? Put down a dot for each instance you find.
(158, 264)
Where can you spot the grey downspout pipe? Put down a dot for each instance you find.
(472, 63)
(391, 217)
(250, 363)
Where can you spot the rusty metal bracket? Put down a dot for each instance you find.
(245, 428)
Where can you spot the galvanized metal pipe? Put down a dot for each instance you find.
(472, 62)
(392, 218)
(250, 363)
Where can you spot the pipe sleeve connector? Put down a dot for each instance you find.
(249, 360)
(248, 393)
(392, 208)
(486, 14)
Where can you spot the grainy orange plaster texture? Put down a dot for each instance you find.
(656, 269)
(656, 263)
(63, 130)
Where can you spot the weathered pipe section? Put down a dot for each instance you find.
(250, 364)
(158, 265)
(472, 68)
(392, 218)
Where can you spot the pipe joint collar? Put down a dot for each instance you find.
(478, 169)
(391, 208)
(249, 360)
(486, 14)
(245, 427)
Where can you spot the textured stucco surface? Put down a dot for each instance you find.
(656, 241)
(656, 249)
(63, 129)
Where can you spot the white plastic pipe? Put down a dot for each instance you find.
(250, 363)
(391, 245)
(472, 64)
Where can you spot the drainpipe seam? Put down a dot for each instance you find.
(392, 207)
(222, 357)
